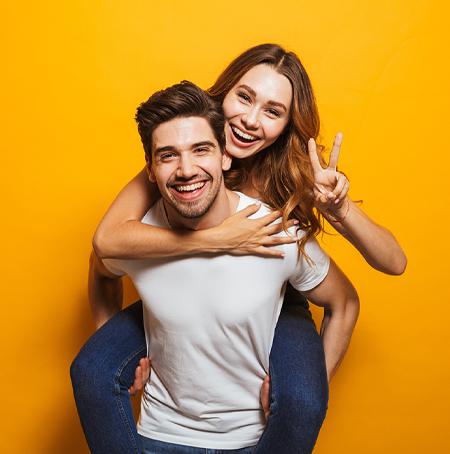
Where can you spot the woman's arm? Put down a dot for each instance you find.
(122, 235)
(376, 243)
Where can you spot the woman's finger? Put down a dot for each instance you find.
(343, 193)
(268, 218)
(278, 228)
(263, 251)
(313, 157)
(248, 211)
(340, 183)
(334, 155)
(279, 240)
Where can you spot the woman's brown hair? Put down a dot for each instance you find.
(281, 173)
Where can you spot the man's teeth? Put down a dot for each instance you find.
(243, 134)
(190, 187)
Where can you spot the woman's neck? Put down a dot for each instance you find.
(248, 186)
(250, 190)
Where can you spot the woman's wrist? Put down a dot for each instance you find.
(208, 241)
(340, 214)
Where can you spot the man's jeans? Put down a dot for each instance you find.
(150, 446)
(104, 370)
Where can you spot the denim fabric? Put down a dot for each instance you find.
(151, 446)
(104, 369)
(101, 374)
(299, 386)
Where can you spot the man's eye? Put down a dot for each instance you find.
(166, 156)
(201, 150)
(244, 96)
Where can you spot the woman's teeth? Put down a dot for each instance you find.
(190, 187)
(242, 135)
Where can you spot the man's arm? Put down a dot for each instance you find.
(105, 291)
(338, 297)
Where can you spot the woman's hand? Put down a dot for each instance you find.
(141, 376)
(240, 235)
(330, 186)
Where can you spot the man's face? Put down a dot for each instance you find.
(187, 165)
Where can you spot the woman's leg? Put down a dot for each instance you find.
(299, 386)
(101, 374)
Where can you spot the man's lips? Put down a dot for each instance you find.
(188, 190)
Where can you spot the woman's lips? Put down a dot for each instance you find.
(238, 141)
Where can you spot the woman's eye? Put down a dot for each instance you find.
(244, 96)
(167, 156)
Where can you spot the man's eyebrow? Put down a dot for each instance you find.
(163, 149)
(204, 143)
(272, 103)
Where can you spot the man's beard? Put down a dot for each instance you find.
(197, 208)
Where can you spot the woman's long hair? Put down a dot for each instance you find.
(282, 173)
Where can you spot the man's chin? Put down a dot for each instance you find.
(190, 210)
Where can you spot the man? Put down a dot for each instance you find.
(210, 320)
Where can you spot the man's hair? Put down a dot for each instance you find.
(180, 100)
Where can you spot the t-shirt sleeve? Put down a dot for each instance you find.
(308, 275)
(114, 266)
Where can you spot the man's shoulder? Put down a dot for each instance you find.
(156, 215)
(245, 201)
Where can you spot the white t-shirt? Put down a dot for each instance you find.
(209, 324)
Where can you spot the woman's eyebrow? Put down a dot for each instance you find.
(249, 89)
(272, 103)
(277, 104)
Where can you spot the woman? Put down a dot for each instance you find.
(271, 116)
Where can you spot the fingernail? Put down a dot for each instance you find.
(336, 201)
(296, 221)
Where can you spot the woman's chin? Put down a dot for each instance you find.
(237, 152)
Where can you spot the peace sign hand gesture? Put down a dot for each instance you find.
(330, 186)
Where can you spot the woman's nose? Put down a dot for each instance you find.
(250, 119)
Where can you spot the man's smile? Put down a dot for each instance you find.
(188, 191)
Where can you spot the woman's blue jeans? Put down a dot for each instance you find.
(104, 369)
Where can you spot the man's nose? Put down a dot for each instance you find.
(251, 119)
(186, 168)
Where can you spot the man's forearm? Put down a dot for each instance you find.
(336, 331)
(105, 295)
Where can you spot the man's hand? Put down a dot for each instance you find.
(240, 235)
(264, 396)
(330, 186)
(141, 376)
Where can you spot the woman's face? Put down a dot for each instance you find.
(257, 111)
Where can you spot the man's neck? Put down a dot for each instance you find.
(223, 207)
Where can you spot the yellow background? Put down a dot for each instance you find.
(72, 75)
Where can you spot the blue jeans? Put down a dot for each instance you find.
(104, 369)
(151, 446)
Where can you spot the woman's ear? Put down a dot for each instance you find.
(226, 160)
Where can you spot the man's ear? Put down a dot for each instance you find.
(150, 174)
(226, 160)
